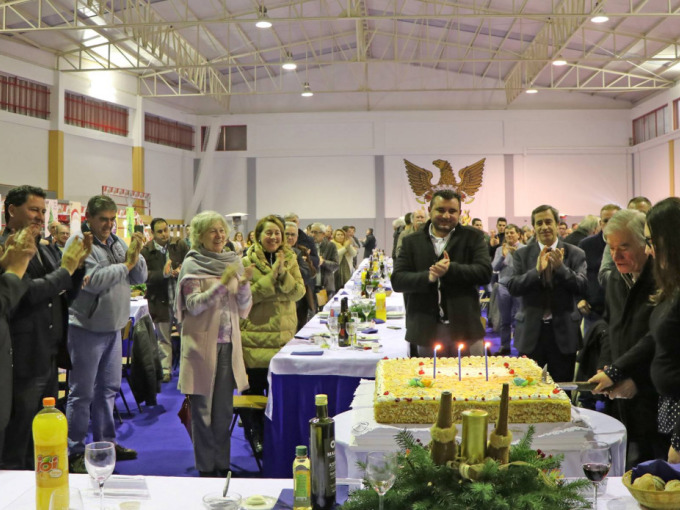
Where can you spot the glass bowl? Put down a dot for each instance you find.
(215, 501)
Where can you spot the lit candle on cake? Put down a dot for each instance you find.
(486, 358)
(460, 371)
(434, 366)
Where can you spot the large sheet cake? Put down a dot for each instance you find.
(407, 392)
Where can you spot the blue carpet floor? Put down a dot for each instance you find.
(163, 445)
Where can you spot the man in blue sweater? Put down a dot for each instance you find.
(96, 319)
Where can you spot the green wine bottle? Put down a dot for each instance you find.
(322, 456)
(343, 321)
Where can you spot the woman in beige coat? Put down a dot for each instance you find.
(213, 294)
(276, 287)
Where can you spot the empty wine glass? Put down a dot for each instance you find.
(369, 287)
(381, 471)
(596, 459)
(65, 498)
(366, 307)
(334, 329)
(100, 459)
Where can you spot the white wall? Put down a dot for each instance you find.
(332, 187)
(227, 191)
(164, 170)
(323, 164)
(89, 164)
(24, 151)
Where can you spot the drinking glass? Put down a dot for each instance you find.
(334, 329)
(352, 332)
(100, 459)
(369, 287)
(65, 498)
(596, 459)
(366, 307)
(381, 471)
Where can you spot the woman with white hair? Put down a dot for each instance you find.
(213, 295)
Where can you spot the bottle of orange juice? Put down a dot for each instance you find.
(50, 439)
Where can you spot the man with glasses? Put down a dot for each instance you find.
(96, 319)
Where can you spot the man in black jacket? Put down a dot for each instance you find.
(39, 324)
(369, 243)
(440, 268)
(164, 259)
(627, 311)
(13, 263)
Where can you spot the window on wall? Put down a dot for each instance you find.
(650, 125)
(168, 132)
(83, 111)
(231, 138)
(676, 114)
(24, 97)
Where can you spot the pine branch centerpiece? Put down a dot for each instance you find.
(432, 477)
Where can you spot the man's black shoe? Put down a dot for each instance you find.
(123, 453)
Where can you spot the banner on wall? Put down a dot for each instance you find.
(76, 217)
(51, 215)
(489, 199)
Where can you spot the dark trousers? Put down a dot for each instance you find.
(27, 395)
(560, 365)
(253, 419)
(640, 415)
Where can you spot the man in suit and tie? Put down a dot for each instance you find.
(39, 323)
(550, 277)
(439, 269)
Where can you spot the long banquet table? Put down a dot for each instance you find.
(17, 492)
(295, 379)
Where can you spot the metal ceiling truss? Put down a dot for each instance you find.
(138, 14)
(137, 39)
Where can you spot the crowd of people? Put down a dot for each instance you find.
(606, 290)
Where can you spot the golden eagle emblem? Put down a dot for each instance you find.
(421, 180)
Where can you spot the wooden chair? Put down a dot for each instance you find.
(254, 402)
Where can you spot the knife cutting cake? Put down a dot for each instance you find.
(407, 392)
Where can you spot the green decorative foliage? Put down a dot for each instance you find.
(529, 482)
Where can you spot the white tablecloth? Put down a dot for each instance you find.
(17, 492)
(342, 362)
(357, 433)
(138, 308)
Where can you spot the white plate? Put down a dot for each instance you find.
(270, 502)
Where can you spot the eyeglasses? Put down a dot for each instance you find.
(648, 242)
(316, 232)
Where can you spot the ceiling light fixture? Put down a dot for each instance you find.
(599, 16)
(263, 18)
(559, 61)
(289, 64)
(307, 90)
(532, 90)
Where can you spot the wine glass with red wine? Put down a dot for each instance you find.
(596, 459)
